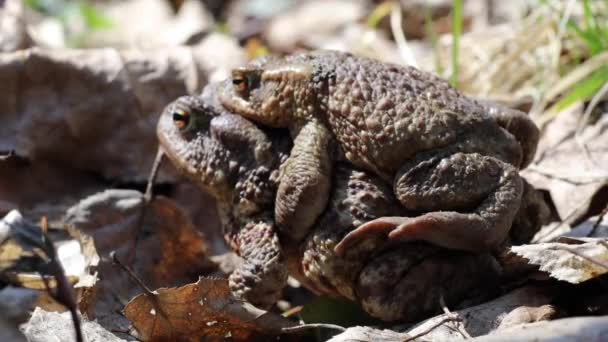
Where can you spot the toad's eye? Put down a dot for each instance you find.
(240, 83)
(181, 119)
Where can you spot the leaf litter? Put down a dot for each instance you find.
(168, 252)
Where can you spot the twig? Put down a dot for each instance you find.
(131, 274)
(64, 292)
(152, 297)
(6, 155)
(433, 327)
(147, 199)
(153, 173)
(597, 222)
(581, 255)
(459, 327)
(303, 327)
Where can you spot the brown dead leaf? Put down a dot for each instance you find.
(167, 251)
(203, 309)
(97, 109)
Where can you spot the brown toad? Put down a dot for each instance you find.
(237, 161)
(449, 158)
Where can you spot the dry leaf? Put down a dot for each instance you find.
(558, 260)
(528, 314)
(572, 170)
(484, 318)
(167, 251)
(203, 309)
(21, 257)
(46, 326)
(588, 329)
(369, 334)
(42, 189)
(97, 109)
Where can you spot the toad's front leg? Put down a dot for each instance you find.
(305, 181)
(469, 202)
(263, 274)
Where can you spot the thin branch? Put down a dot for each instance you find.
(433, 327)
(597, 222)
(147, 199)
(6, 155)
(303, 327)
(64, 293)
(131, 274)
(153, 173)
(459, 326)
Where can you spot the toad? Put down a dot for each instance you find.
(238, 163)
(448, 157)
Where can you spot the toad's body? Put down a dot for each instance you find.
(407, 126)
(235, 161)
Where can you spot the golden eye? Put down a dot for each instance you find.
(181, 119)
(240, 83)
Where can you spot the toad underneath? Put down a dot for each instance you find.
(448, 157)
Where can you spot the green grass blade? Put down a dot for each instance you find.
(379, 13)
(93, 18)
(584, 90)
(456, 31)
(431, 34)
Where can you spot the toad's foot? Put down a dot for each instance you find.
(263, 273)
(470, 200)
(446, 229)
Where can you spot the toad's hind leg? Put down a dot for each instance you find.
(469, 202)
(305, 181)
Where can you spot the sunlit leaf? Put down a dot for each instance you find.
(584, 90)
